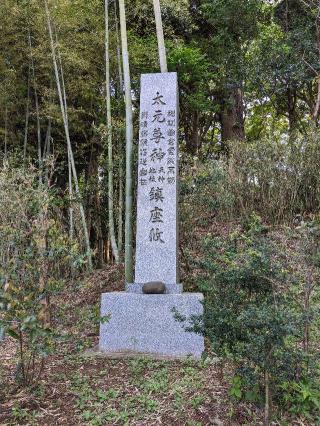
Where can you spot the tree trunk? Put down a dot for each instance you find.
(100, 240)
(2, 334)
(2, 330)
(194, 135)
(70, 185)
(266, 421)
(315, 113)
(317, 104)
(110, 155)
(118, 51)
(6, 135)
(120, 214)
(232, 117)
(129, 147)
(70, 189)
(160, 37)
(120, 95)
(291, 107)
(37, 110)
(42, 245)
(46, 150)
(26, 126)
(66, 127)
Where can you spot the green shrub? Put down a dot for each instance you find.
(279, 181)
(250, 316)
(301, 398)
(35, 255)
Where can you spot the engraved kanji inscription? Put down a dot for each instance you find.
(155, 235)
(157, 155)
(156, 194)
(158, 100)
(156, 215)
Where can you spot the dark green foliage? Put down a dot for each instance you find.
(240, 291)
(250, 317)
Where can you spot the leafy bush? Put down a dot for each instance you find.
(301, 398)
(250, 316)
(34, 254)
(207, 190)
(279, 181)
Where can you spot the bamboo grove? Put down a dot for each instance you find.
(69, 93)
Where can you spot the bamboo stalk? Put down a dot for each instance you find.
(121, 95)
(6, 134)
(120, 212)
(129, 147)
(118, 49)
(114, 246)
(70, 186)
(46, 150)
(62, 100)
(37, 108)
(26, 126)
(160, 37)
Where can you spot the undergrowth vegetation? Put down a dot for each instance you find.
(250, 235)
(36, 256)
(256, 316)
(256, 259)
(274, 178)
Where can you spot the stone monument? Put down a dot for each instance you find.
(157, 224)
(145, 323)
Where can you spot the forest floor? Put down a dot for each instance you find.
(76, 389)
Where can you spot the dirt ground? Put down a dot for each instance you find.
(76, 389)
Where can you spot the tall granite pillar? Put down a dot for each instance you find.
(145, 323)
(157, 212)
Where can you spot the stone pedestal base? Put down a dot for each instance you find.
(144, 323)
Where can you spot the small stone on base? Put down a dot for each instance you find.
(170, 288)
(155, 287)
